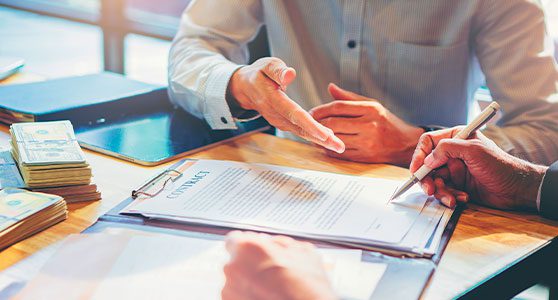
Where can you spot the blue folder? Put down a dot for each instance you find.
(87, 99)
(117, 116)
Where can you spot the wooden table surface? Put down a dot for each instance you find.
(484, 242)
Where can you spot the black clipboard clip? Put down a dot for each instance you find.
(166, 177)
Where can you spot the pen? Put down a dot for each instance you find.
(477, 123)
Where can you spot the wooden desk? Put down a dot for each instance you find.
(484, 243)
(504, 251)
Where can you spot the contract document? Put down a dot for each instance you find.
(309, 204)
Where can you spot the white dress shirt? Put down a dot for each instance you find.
(422, 59)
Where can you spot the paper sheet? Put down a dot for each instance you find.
(286, 200)
(7, 286)
(168, 267)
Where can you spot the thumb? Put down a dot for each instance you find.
(231, 241)
(338, 93)
(447, 149)
(288, 75)
(279, 72)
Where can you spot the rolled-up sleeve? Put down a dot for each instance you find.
(516, 55)
(211, 44)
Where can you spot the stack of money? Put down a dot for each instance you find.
(49, 157)
(24, 213)
(9, 173)
(76, 193)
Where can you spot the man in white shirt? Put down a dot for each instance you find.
(417, 63)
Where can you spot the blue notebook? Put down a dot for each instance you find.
(84, 99)
(117, 116)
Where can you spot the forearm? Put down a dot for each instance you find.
(198, 79)
(529, 178)
(535, 140)
(207, 50)
(516, 55)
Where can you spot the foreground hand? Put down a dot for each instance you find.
(478, 167)
(370, 132)
(278, 267)
(261, 86)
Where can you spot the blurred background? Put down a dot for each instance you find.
(70, 37)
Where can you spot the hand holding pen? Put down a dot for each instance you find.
(463, 134)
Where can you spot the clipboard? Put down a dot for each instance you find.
(157, 184)
(415, 272)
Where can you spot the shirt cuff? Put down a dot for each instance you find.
(217, 112)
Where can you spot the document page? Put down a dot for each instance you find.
(162, 266)
(285, 200)
(194, 269)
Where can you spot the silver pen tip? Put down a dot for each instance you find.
(393, 195)
(396, 195)
(405, 187)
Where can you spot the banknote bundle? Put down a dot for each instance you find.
(24, 213)
(9, 173)
(50, 160)
(49, 155)
(73, 193)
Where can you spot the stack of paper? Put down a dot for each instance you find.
(167, 267)
(24, 213)
(324, 206)
(51, 160)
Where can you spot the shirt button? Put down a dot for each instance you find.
(224, 120)
(351, 44)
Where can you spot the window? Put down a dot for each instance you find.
(116, 19)
(146, 58)
(51, 47)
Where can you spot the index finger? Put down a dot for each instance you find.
(338, 109)
(236, 237)
(231, 241)
(332, 142)
(426, 144)
(298, 116)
